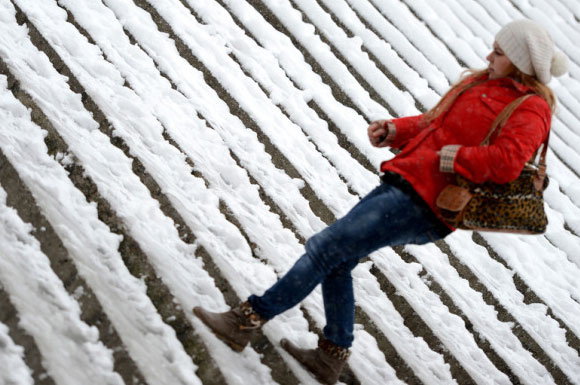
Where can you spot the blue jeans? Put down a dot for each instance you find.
(387, 216)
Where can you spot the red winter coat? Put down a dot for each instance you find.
(466, 124)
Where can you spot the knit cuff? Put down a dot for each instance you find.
(447, 157)
(334, 350)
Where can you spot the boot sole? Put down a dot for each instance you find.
(236, 347)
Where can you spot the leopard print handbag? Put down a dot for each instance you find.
(517, 206)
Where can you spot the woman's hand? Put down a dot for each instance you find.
(378, 132)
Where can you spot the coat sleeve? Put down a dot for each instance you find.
(503, 160)
(405, 129)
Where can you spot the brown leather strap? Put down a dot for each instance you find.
(541, 173)
(498, 124)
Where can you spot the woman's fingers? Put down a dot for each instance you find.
(377, 133)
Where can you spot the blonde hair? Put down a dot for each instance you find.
(472, 78)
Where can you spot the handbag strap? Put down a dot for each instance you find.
(498, 124)
(541, 172)
(503, 116)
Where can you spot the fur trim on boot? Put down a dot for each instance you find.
(325, 362)
(234, 327)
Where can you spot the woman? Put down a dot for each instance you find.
(443, 141)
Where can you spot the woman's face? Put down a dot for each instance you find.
(499, 64)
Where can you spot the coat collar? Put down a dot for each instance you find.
(509, 83)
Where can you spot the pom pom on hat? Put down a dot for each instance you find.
(530, 48)
(559, 64)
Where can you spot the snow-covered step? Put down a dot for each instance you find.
(91, 244)
(276, 246)
(242, 142)
(233, 246)
(567, 90)
(305, 34)
(368, 362)
(384, 52)
(403, 46)
(173, 260)
(451, 30)
(563, 146)
(292, 61)
(419, 35)
(484, 317)
(565, 241)
(572, 7)
(283, 133)
(427, 365)
(567, 181)
(175, 109)
(563, 223)
(12, 358)
(272, 77)
(565, 116)
(558, 9)
(532, 317)
(350, 48)
(470, 15)
(546, 270)
(448, 327)
(71, 349)
(212, 159)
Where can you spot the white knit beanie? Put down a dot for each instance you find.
(531, 49)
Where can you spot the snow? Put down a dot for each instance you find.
(46, 311)
(533, 318)
(95, 253)
(204, 156)
(11, 356)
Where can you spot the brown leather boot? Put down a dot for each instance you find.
(325, 362)
(234, 327)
